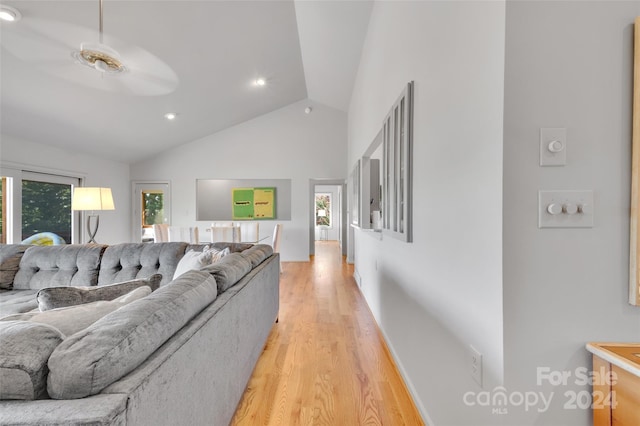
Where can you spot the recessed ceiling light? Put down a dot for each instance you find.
(9, 14)
(171, 115)
(259, 82)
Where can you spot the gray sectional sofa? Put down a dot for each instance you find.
(180, 355)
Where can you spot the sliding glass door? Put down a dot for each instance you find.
(37, 203)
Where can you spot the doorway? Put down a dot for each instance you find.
(327, 212)
(151, 206)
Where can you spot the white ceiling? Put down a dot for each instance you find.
(331, 37)
(197, 58)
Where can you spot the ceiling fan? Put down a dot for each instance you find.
(47, 44)
(99, 56)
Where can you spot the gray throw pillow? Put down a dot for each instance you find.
(60, 297)
(90, 360)
(24, 350)
(258, 253)
(10, 256)
(72, 319)
(229, 270)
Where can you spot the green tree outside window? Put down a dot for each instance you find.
(323, 209)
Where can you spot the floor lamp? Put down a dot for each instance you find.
(92, 199)
(322, 213)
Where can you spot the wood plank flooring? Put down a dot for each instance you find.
(325, 362)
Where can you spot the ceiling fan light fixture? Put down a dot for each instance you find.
(101, 66)
(9, 14)
(99, 57)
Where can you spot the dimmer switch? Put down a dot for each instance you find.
(565, 209)
(553, 146)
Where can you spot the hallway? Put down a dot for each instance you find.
(325, 362)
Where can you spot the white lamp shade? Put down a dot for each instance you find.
(92, 199)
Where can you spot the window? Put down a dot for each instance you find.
(371, 186)
(323, 209)
(397, 153)
(152, 207)
(46, 207)
(32, 203)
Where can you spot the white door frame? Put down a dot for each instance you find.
(312, 213)
(136, 189)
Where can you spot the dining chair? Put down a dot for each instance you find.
(275, 242)
(160, 233)
(184, 234)
(225, 234)
(250, 231)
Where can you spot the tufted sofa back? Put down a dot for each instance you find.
(233, 247)
(10, 255)
(123, 262)
(59, 266)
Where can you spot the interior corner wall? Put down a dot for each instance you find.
(441, 293)
(284, 144)
(568, 64)
(114, 225)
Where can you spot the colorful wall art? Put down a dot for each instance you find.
(253, 203)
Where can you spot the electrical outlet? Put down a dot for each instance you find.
(475, 364)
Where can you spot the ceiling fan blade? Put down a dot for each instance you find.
(149, 84)
(152, 75)
(40, 37)
(114, 83)
(44, 42)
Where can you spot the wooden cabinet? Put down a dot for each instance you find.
(616, 384)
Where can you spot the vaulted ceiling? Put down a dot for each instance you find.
(199, 59)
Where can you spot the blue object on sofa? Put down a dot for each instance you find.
(44, 239)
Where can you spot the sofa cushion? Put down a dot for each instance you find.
(71, 319)
(229, 270)
(24, 350)
(123, 262)
(59, 266)
(221, 245)
(116, 344)
(196, 260)
(59, 297)
(257, 254)
(10, 256)
(17, 301)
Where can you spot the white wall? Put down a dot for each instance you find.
(434, 297)
(114, 225)
(285, 144)
(568, 64)
(333, 232)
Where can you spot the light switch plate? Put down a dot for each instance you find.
(547, 136)
(564, 202)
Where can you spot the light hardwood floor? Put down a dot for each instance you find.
(325, 362)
